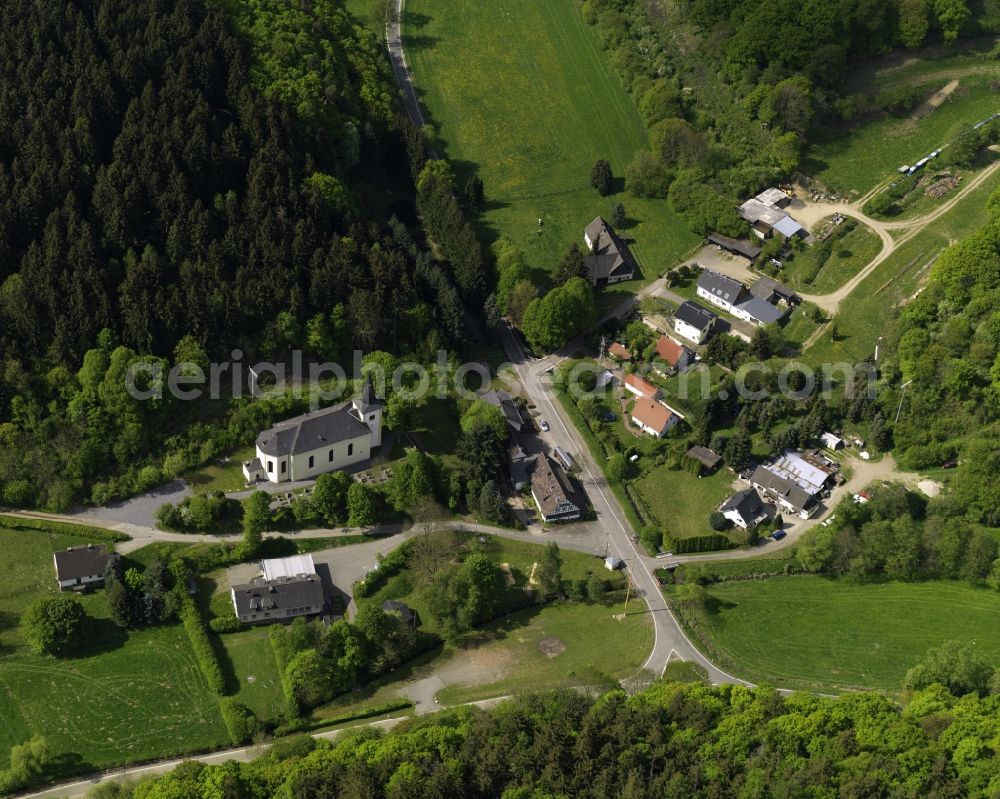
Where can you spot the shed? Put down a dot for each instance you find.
(613, 563)
(704, 456)
(404, 611)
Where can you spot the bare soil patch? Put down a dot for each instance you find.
(550, 647)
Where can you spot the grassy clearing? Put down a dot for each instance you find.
(856, 160)
(221, 474)
(256, 670)
(129, 698)
(534, 135)
(681, 502)
(817, 634)
(862, 317)
(597, 647)
(849, 255)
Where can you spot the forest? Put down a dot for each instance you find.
(732, 91)
(179, 179)
(672, 740)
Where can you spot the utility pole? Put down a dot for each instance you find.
(901, 396)
(628, 592)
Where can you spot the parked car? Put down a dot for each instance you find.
(544, 426)
(777, 535)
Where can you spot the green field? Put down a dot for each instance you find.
(681, 502)
(597, 647)
(256, 671)
(856, 159)
(521, 92)
(221, 475)
(129, 698)
(862, 317)
(849, 255)
(817, 634)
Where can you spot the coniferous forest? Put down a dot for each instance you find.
(175, 181)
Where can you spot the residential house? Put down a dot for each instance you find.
(509, 406)
(263, 601)
(788, 495)
(673, 354)
(319, 441)
(553, 492)
(642, 387)
(757, 312)
(520, 465)
(609, 260)
(735, 246)
(694, 322)
(744, 509)
(78, 568)
(720, 290)
(708, 459)
(654, 417)
(619, 352)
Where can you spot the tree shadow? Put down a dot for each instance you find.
(415, 19)
(103, 636)
(714, 606)
(419, 43)
(67, 764)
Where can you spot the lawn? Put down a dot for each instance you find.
(857, 159)
(681, 502)
(863, 316)
(521, 93)
(129, 698)
(597, 647)
(221, 474)
(849, 255)
(256, 670)
(812, 633)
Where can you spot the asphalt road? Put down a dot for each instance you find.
(670, 641)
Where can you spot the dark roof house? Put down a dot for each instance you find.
(312, 430)
(696, 316)
(80, 565)
(553, 492)
(744, 508)
(277, 599)
(757, 311)
(770, 290)
(508, 406)
(609, 260)
(720, 288)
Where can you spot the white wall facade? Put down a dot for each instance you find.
(716, 301)
(690, 332)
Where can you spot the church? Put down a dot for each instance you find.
(320, 441)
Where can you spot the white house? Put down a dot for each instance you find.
(720, 290)
(264, 601)
(79, 567)
(744, 509)
(320, 441)
(694, 322)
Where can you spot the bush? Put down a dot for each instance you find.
(65, 528)
(241, 724)
(307, 725)
(387, 566)
(204, 652)
(229, 623)
(717, 521)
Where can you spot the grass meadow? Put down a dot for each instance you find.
(521, 93)
(813, 633)
(854, 160)
(125, 697)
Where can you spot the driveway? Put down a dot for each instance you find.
(137, 510)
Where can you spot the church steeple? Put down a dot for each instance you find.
(369, 409)
(368, 398)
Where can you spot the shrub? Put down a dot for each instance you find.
(53, 625)
(241, 724)
(229, 623)
(699, 543)
(66, 528)
(717, 521)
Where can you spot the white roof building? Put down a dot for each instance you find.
(294, 566)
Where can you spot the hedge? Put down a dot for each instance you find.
(240, 721)
(308, 725)
(226, 624)
(204, 652)
(66, 528)
(389, 565)
(698, 543)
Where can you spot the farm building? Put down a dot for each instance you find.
(708, 459)
(735, 246)
(766, 217)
